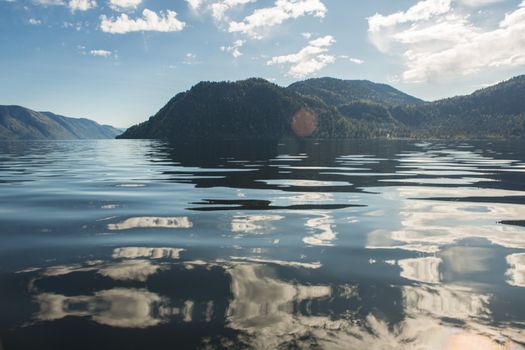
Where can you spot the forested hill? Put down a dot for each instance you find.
(343, 92)
(493, 112)
(505, 98)
(20, 123)
(252, 108)
(332, 108)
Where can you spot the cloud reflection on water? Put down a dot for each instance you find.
(516, 271)
(119, 307)
(134, 270)
(147, 252)
(152, 222)
(254, 224)
(322, 223)
(314, 289)
(272, 311)
(427, 225)
(264, 305)
(421, 269)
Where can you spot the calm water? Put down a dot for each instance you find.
(350, 245)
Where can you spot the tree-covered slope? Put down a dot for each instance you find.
(19, 123)
(339, 92)
(495, 111)
(253, 108)
(361, 100)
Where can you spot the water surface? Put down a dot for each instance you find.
(314, 244)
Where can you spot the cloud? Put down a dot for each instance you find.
(150, 21)
(258, 23)
(81, 5)
(34, 21)
(189, 59)
(477, 3)
(100, 53)
(306, 35)
(49, 2)
(234, 48)
(124, 4)
(195, 4)
(356, 60)
(260, 20)
(436, 40)
(217, 8)
(423, 10)
(73, 5)
(308, 60)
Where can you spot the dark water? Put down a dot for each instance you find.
(343, 245)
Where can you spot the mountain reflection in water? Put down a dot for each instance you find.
(326, 244)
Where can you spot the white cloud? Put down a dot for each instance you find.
(150, 21)
(356, 60)
(477, 3)
(74, 5)
(194, 4)
(101, 53)
(34, 21)
(81, 5)
(234, 49)
(436, 40)
(307, 35)
(124, 4)
(190, 58)
(49, 2)
(423, 10)
(308, 60)
(256, 24)
(217, 8)
(260, 20)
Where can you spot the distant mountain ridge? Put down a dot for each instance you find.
(339, 92)
(252, 108)
(20, 123)
(493, 112)
(342, 109)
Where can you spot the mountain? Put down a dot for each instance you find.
(21, 123)
(252, 108)
(495, 111)
(332, 108)
(360, 99)
(343, 92)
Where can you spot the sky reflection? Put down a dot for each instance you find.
(337, 245)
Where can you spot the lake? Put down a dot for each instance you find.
(294, 244)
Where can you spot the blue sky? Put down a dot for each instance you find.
(119, 61)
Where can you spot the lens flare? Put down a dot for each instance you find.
(304, 122)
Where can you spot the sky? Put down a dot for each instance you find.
(119, 61)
